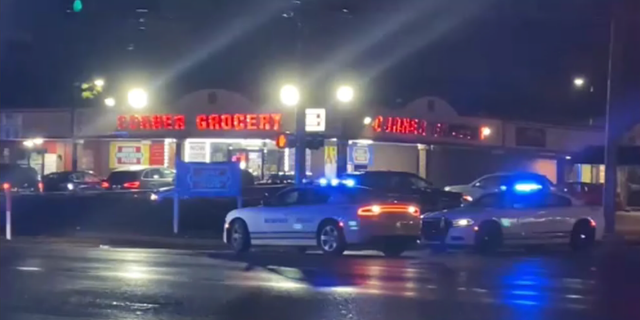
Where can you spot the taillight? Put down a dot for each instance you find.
(132, 185)
(6, 186)
(40, 186)
(375, 209)
(104, 185)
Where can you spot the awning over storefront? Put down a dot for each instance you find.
(627, 155)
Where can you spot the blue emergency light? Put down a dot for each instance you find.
(526, 187)
(336, 182)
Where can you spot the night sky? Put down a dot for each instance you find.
(497, 58)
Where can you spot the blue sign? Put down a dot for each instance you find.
(361, 155)
(208, 179)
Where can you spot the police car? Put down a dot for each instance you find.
(521, 213)
(332, 217)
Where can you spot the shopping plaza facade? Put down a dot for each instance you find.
(427, 137)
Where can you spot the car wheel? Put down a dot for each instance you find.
(583, 235)
(488, 237)
(331, 238)
(239, 236)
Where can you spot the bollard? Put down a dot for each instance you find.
(7, 193)
(176, 211)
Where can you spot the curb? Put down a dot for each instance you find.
(123, 241)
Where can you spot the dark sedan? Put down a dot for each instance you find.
(74, 181)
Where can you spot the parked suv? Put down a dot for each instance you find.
(19, 178)
(139, 178)
(405, 186)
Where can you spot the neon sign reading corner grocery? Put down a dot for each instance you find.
(203, 122)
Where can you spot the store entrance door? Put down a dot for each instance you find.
(250, 160)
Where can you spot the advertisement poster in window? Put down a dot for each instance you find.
(124, 154)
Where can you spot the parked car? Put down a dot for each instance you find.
(139, 178)
(589, 193)
(19, 178)
(494, 182)
(404, 186)
(279, 178)
(523, 213)
(333, 218)
(76, 181)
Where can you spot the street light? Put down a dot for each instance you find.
(289, 95)
(138, 98)
(98, 82)
(110, 102)
(345, 94)
(579, 82)
(367, 121)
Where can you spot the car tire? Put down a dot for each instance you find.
(331, 238)
(239, 237)
(583, 236)
(488, 237)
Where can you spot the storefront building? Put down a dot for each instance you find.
(427, 137)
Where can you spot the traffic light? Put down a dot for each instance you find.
(285, 140)
(288, 140)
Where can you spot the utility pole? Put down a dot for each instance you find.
(300, 156)
(623, 94)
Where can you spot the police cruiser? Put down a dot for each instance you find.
(334, 216)
(521, 213)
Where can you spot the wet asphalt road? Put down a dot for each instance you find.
(87, 282)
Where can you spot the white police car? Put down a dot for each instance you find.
(523, 213)
(333, 218)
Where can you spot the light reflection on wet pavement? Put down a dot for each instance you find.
(59, 282)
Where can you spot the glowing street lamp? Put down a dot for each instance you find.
(289, 95)
(345, 94)
(138, 98)
(99, 83)
(110, 102)
(367, 121)
(579, 82)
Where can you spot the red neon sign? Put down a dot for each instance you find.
(251, 121)
(411, 126)
(151, 122)
(400, 125)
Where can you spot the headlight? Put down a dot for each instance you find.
(70, 186)
(153, 197)
(462, 222)
(447, 188)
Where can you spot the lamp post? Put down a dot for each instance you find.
(345, 95)
(290, 97)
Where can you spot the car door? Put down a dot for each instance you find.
(275, 225)
(167, 178)
(151, 179)
(553, 219)
(530, 210)
(496, 206)
(303, 218)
